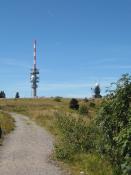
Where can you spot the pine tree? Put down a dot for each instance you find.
(17, 95)
(97, 91)
(2, 94)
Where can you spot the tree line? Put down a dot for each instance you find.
(3, 94)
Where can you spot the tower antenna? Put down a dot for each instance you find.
(34, 76)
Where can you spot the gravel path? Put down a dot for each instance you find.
(26, 150)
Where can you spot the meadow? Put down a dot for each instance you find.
(74, 132)
(94, 137)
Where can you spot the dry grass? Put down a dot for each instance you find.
(6, 122)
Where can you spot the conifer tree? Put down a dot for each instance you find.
(17, 95)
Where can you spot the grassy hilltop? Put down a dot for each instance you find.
(96, 138)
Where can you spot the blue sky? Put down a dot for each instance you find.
(79, 43)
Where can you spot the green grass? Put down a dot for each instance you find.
(6, 122)
(91, 164)
(42, 112)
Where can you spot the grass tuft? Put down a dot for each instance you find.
(7, 123)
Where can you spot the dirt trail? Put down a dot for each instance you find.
(26, 150)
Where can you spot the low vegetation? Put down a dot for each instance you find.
(6, 124)
(83, 109)
(72, 143)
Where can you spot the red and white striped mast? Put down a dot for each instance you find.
(34, 53)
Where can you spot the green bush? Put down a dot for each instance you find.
(83, 109)
(92, 104)
(74, 104)
(64, 151)
(58, 99)
(114, 123)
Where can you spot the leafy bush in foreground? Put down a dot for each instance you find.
(112, 135)
(114, 123)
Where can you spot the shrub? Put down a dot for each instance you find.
(92, 104)
(114, 123)
(58, 99)
(85, 100)
(64, 151)
(74, 104)
(77, 136)
(83, 109)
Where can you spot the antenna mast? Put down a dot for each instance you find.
(34, 74)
